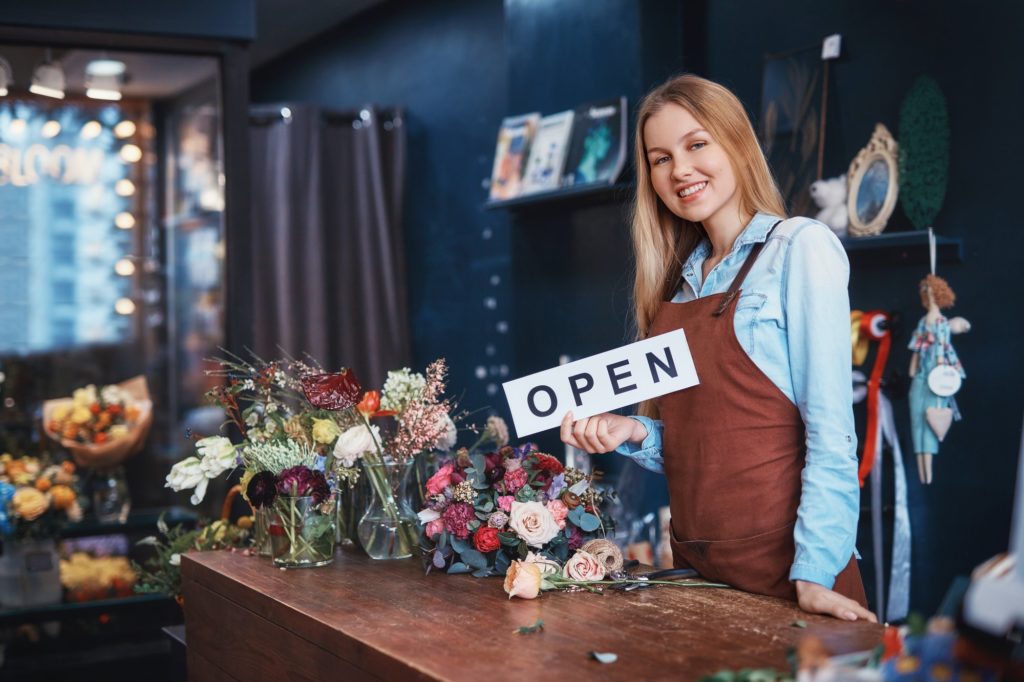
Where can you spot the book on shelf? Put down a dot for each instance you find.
(510, 155)
(597, 151)
(547, 153)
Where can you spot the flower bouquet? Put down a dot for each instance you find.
(36, 500)
(485, 511)
(101, 427)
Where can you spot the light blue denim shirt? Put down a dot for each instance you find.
(793, 319)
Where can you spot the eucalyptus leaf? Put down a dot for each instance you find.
(473, 558)
(473, 525)
(575, 516)
(501, 563)
(438, 560)
(604, 657)
(509, 539)
(482, 573)
(588, 522)
(460, 545)
(479, 463)
(458, 567)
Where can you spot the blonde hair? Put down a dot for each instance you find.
(663, 241)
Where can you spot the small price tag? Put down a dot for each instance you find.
(831, 46)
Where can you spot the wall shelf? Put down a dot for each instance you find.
(902, 248)
(569, 196)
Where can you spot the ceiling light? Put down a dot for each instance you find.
(16, 128)
(124, 129)
(124, 188)
(124, 220)
(104, 78)
(90, 130)
(48, 79)
(124, 306)
(6, 76)
(131, 153)
(50, 129)
(124, 267)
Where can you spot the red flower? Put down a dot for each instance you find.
(332, 391)
(548, 463)
(486, 539)
(457, 517)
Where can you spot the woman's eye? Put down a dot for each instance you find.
(698, 145)
(661, 159)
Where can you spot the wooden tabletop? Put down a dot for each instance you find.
(365, 619)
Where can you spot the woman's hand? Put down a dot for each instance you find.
(601, 433)
(815, 598)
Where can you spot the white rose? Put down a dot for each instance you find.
(450, 435)
(112, 394)
(547, 566)
(218, 455)
(533, 523)
(352, 444)
(584, 566)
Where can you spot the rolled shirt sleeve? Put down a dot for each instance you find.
(817, 314)
(648, 453)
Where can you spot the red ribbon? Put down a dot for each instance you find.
(874, 325)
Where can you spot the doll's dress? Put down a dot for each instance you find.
(932, 344)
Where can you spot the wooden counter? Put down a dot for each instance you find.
(364, 619)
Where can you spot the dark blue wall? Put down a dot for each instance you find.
(562, 273)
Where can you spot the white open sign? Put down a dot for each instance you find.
(603, 382)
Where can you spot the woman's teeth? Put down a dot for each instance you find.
(692, 189)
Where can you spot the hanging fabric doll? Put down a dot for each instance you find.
(936, 373)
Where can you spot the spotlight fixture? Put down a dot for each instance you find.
(91, 130)
(50, 129)
(124, 129)
(104, 78)
(48, 79)
(6, 76)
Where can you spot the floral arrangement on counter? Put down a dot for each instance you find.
(87, 578)
(101, 426)
(36, 499)
(486, 511)
(306, 434)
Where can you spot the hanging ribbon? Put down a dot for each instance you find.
(899, 577)
(875, 326)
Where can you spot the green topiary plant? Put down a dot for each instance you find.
(924, 152)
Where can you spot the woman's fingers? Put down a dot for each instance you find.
(589, 434)
(819, 599)
(565, 431)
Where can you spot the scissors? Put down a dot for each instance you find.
(665, 574)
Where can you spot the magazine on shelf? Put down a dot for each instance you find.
(547, 153)
(597, 152)
(510, 155)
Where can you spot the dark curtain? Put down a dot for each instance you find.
(328, 271)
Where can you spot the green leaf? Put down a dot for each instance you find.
(526, 494)
(523, 550)
(458, 567)
(509, 539)
(315, 526)
(473, 525)
(460, 545)
(479, 463)
(482, 573)
(588, 522)
(530, 629)
(501, 563)
(473, 558)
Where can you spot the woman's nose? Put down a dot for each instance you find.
(681, 170)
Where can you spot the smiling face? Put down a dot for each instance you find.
(690, 171)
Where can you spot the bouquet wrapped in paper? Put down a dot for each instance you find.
(101, 427)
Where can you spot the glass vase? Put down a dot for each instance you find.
(301, 532)
(261, 531)
(347, 512)
(389, 528)
(110, 498)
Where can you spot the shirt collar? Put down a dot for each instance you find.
(756, 231)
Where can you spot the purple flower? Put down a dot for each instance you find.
(557, 486)
(262, 490)
(301, 481)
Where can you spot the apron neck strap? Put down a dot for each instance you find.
(734, 288)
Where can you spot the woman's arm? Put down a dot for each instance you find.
(638, 438)
(817, 318)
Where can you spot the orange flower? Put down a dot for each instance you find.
(523, 580)
(68, 467)
(95, 408)
(100, 437)
(370, 404)
(62, 496)
(43, 484)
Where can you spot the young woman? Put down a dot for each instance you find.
(760, 457)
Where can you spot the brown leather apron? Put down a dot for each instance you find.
(734, 450)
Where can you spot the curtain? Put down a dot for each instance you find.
(328, 271)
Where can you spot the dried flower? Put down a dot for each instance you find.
(401, 388)
(457, 517)
(464, 492)
(301, 481)
(496, 430)
(441, 479)
(29, 503)
(498, 519)
(325, 431)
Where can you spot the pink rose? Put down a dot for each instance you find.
(584, 566)
(505, 503)
(441, 480)
(435, 528)
(522, 580)
(515, 479)
(559, 511)
(533, 523)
